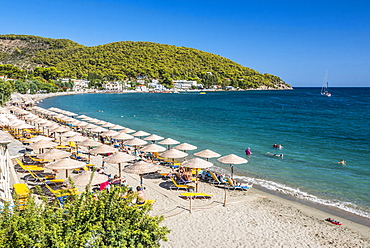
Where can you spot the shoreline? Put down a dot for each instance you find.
(250, 219)
(326, 208)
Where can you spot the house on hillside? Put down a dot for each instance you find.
(113, 86)
(185, 84)
(141, 87)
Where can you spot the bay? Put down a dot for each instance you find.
(315, 131)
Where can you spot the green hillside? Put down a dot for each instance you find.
(125, 60)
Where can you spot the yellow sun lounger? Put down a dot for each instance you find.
(28, 167)
(194, 195)
(178, 186)
(22, 192)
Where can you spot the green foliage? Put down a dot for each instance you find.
(50, 73)
(21, 87)
(109, 221)
(11, 71)
(125, 60)
(6, 89)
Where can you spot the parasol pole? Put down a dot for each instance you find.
(191, 207)
(141, 179)
(225, 198)
(119, 170)
(232, 171)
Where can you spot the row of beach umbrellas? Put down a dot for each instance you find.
(141, 167)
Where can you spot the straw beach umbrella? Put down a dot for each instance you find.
(103, 149)
(41, 144)
(127, 130)
(174, 153)
(207, 154)
(197, 163)
(122, 136)
(54, 154)
(168, 142)
(153, 148)
(140, 134)
(90, 143)
(185, 147)
(65, 164)
(83, 178)
(232, 159)
(136, 142)
(141, 168)
(119, 158)
(115, 127)
(154, 137)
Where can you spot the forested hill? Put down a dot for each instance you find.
(127, 59)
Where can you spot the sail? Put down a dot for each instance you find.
(325, 86)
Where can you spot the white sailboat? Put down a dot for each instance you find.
(325, 86)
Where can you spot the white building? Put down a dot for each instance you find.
(156, 85)
(78, 84)
(141, 87)
(184, 84)
(113, 86)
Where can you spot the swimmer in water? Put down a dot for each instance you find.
(342, 162)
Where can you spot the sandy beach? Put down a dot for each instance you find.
(249, 219)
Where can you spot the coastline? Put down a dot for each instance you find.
(282, 191)
(250, 219)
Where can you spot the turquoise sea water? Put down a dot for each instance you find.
(315, 131)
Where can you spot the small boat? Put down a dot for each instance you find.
(325, 86)
(202, 93)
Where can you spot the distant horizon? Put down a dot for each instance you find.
(296, 41)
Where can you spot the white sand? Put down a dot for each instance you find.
(250, 219)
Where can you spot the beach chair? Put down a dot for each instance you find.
(147, 202)
(232, 186)
(178, 186)
(42, 179)
(194, 195)
(22, 192)
(215, 179)
(63, 194)
(37, 160)
(24, 168)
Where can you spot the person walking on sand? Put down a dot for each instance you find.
(248, 152)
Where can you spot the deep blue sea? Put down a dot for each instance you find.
(315, 131)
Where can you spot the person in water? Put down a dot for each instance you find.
(248, 152)
(342, 162)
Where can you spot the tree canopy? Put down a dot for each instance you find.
(127, 59)
(104, 220)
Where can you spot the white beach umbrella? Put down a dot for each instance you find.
(65, 164)
(185, 147)
(153, 138)
(207, 154)
(232, 159)
(141, 168)
(119, 158)
(168, 142)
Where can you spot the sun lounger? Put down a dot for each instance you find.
(42, 179)
(27, 167)
(234, 187)
(22, 192)
(147, 202)
(215, 179)
(178, 186)
(194, 195)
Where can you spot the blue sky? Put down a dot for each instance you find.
(295, 40)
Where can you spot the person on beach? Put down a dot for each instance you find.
(342, 162)
(248, 152)
(140, 200)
